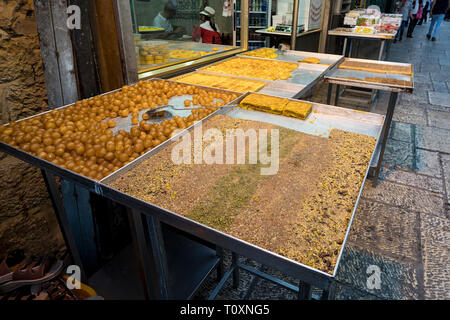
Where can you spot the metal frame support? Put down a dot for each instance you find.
(304, 290)
(63, 221)
(235, 261)
(380, 53)
(386, 128)
(336, 98)
(147, 237)
(220, 266)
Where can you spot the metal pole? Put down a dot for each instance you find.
(294, 24)
(350, 47)
(386, 128)
(304, 291)
(336, 99)
(234, 263)
(344, 48)
(330, 90)
(152, 254)
(380, 53)
(219, 253)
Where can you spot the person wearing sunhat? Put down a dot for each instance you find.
(209, 31)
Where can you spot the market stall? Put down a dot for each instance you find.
(317, 123)
(368, 24)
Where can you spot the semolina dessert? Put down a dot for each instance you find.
(276, 105)
(80, 137)
(376, 67)
(268, 53)
(221, 82)
(297, 109)
(187, 54)
(254, 68)
(301, 212)
(260, 102)
(396, 82)
(310, 60)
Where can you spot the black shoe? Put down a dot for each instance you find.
(409, 36)
(433, 39)
(395, 40)
(428, 36)
(400, 39)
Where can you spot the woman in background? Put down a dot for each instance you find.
(208, 31)
(412, 23)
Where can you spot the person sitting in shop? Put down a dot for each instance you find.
(162, 20)
(208, 31)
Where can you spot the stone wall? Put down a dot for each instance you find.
(27, 220)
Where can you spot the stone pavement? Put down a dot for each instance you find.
(402, 226)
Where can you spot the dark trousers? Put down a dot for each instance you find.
(401, 29)
(412, 25)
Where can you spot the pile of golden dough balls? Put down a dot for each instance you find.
(79, 137)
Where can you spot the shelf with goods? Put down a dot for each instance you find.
(258, 18)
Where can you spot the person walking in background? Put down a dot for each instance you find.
(419, 12)
(426, 8)
(404, 8)
(412, 16)
(437, 13)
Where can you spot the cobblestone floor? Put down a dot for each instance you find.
(402, 226)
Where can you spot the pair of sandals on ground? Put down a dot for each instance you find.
(23, 278)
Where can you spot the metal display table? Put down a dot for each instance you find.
(383, 54)
(323, 118)
(384, 38)
(147, 219)
(338, 76)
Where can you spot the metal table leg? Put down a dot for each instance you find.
(304, 291)
(234, 263)
(380, 53)
(336, 97)
(330, 293)
(385, 133)
(350, 47)
(388, 49)
(64, 225)
(344, 48)
(220, 267)
(330, 90)
(149, 242)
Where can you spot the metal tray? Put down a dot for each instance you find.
(296, 56)
(322, 119)
(121, 123)
(382, 36)
(179, 78)
(303, 78)
(335, 76)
